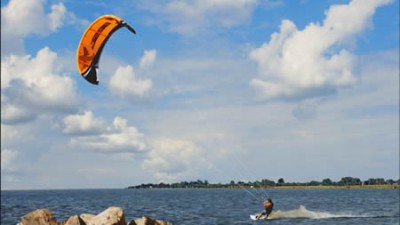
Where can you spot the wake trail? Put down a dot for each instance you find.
(303, 213)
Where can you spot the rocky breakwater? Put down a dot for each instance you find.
(110, 216)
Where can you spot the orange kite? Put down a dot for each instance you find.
(92, 43)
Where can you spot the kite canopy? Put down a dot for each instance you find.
(92, 44)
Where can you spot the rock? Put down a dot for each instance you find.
(73, 220)
(86, 217)
(39, 217)
(110, 216)
(148, 221)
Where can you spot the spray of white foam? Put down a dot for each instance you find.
(302, 212)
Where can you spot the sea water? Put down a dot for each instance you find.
(215, 206)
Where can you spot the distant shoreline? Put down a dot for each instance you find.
(376, 186)
(345, 182)
(371, 186)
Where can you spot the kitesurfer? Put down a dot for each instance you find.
(268, 206)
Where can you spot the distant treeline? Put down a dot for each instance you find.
(345, 181)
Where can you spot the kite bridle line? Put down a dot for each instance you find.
(262, 194)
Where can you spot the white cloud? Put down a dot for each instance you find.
(8, 132)
(20, 18)
(32, 86)
(171, 159)
(7, 159)
(8, 167)
(117, 139)
(311, 62)
(56, 16)
(12, 114)
(83, 124)
(124, 82)
(194, 16)
(148, 58)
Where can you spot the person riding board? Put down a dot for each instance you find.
(268, 206)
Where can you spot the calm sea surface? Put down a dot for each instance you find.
(215, 206)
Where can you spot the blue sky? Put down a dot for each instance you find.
(216, 90)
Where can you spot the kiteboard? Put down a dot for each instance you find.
(254, 217)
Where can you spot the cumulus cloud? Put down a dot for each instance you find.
(124, 82)
(312, 62)
(20, 18)
(83, 124)
(171, 159)
(194, 16)
(11, 114)
(148, 58)
(31, 86)
(119, 138)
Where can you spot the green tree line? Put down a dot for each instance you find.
(345, 181)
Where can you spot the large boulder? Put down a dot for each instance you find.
(73, 220)
(110, 216)
(86, 217)
(148, 221)
(39, 217)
